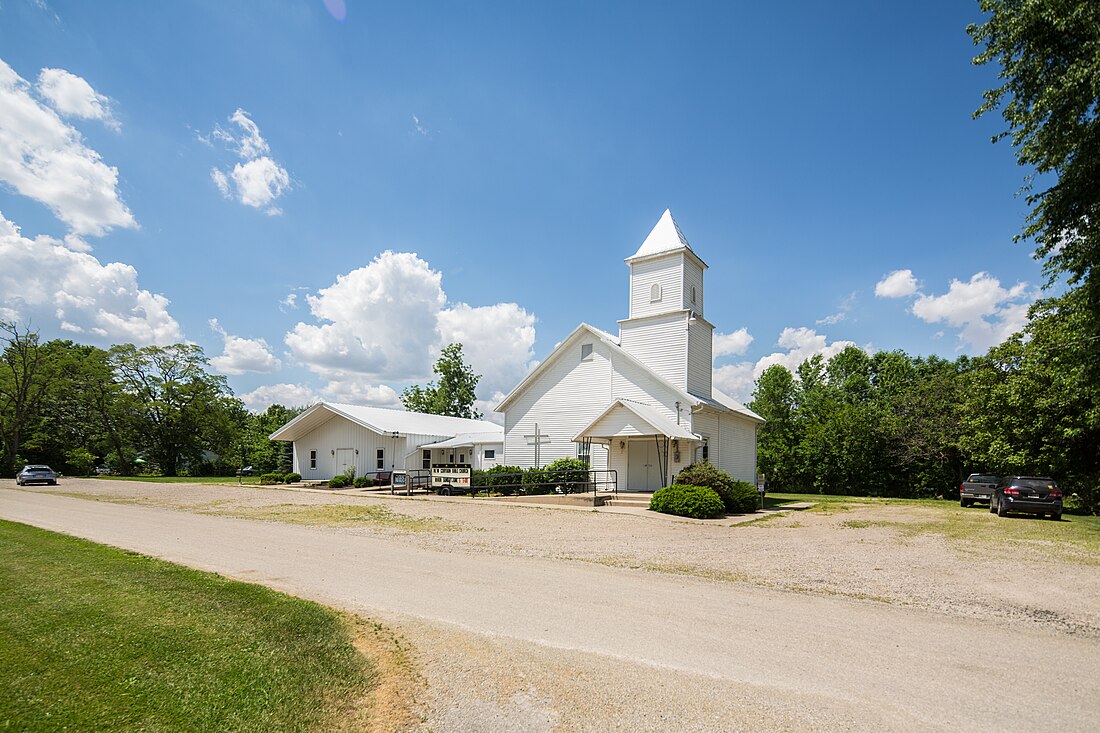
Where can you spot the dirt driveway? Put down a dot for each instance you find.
(896, 617)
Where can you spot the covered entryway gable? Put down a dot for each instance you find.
(640, 440)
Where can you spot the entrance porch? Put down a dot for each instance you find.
(642, 443)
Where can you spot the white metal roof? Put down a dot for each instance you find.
(382, 420)
(665, 236)
(463, 440)
(660, 423)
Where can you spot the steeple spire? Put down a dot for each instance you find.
(664, 237)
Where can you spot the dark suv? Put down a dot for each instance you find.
(1028, 494)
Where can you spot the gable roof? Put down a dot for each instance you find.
(566, 345)
(660, 423)
(382, 420)
(665, 237)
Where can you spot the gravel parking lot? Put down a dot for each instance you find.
(984, 589)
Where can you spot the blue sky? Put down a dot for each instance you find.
(263, 175)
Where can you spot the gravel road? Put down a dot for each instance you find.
(529, 619)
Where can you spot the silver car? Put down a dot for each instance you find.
(36, 474)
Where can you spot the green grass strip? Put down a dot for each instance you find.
(97, 638)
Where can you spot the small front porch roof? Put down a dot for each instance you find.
(629, 419)
(468, 440)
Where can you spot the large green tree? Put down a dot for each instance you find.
(23, 382)
(453, 394)
(179, 407)
(1048, 52)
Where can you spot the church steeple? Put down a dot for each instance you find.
(666, 329)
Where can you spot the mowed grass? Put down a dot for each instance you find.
(1075, 537)
(96, 638)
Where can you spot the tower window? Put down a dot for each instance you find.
(693, 295)
(655, 293)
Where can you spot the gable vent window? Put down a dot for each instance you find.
(655, 293)
(586, 352)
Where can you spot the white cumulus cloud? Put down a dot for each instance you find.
(44, 158)
(732, 344)
(389, 320)
(241, 355)
(288, 395)
(897, 284)
(43, 281)
(257, 181)
(984, 312)
(72, 96)
(797, 344)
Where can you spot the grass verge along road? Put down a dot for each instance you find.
(97, 638)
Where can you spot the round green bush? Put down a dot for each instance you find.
(707, 474)
(700, 502)
(292, 478)
(338, 482)
(745, 498)
(363, 482)
(271, 478)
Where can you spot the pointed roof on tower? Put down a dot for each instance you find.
(665, 237)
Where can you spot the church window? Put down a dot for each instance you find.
(586, 352)
(693, 295)
(655, 293)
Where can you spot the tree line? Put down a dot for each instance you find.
(134, 410)
(890, 424)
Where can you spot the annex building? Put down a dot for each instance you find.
(330, 439)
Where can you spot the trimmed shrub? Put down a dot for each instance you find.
(271, 478)
(292, 478)
(707, 474)
(363, 482)
(504, 479)
(338, 482)
(746, 499)
(537, 481)
(569, 475)
(700, 502)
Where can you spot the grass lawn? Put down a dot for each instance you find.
(186, 479)
(97, 638)
(1075, 537)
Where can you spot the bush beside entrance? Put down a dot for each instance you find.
(699, 502)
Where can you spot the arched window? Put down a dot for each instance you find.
(655, 293)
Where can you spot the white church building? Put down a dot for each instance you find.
(640, 403)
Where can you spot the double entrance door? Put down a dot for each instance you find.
(643, 467)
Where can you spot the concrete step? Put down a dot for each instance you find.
(629, 499)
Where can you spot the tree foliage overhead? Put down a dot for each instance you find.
(1049, 58)
(453, 395)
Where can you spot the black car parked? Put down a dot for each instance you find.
(1027, 494)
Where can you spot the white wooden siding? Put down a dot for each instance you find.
(700, 357)
(632, 383)
(339, 433)
(693, 277)
(664, 271)
(705, 423)
(738, 447)
(659, 342)
(562, 400)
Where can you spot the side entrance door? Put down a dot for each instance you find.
(345, 459)
(643, 471)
